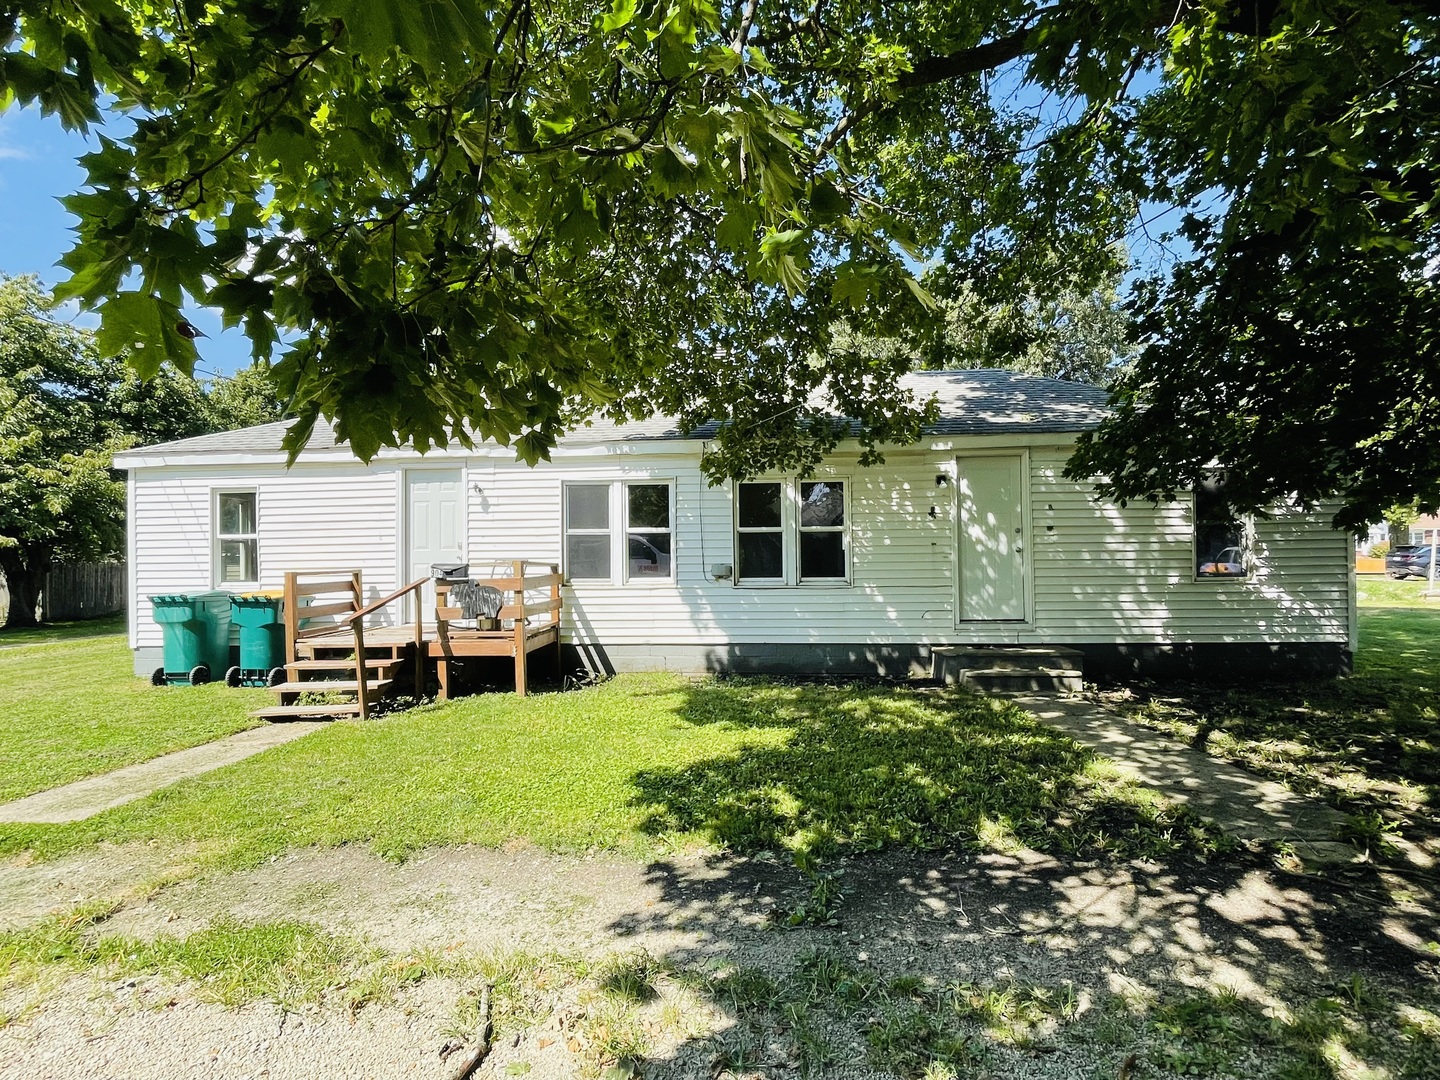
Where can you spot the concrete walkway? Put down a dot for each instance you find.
(86, 798)
(1241, 803)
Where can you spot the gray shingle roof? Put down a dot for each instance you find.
(986, 402)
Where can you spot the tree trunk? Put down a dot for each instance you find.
(24, 578)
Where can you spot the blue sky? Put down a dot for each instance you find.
(37, 167)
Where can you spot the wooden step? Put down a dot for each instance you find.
(331, 686)
(344, 664)
(296, 712)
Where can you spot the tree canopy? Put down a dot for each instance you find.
(64, 412)
(496, 217)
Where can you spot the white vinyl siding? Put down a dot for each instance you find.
(1098, 572)
(330, 517)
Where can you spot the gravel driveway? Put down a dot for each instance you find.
(1136, 930)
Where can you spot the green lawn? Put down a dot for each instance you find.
(1368, 744)
(63, 631)
(70, 708)
(649, 763)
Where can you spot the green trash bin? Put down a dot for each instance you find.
(262, 641)
(197, 637)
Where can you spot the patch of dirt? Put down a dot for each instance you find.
(30, 890)
(1138, 929)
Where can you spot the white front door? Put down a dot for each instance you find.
(434, 524)
(991, 494)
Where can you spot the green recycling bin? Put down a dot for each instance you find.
(262, 641)
(197, 637)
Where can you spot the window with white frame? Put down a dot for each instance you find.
(237, 541)
(791, 532)
(760, 531)
(1221, 537)
(619, 528)
(648, 536)
(587, 532)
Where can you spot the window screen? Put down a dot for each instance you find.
(587, 532)
(238, 541)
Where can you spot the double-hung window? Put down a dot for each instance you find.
(619, 531)
(792, 532)
(1221, 538)
(588, 541)
(237, 540)
(760, 532)
(648, 536)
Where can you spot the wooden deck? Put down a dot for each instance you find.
(376, 637)
(331, 650)
(443, 645)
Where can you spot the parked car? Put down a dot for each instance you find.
(1229, 563)
(1405, 562)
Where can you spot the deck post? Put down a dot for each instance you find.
(292, 616)
(362, 694)
(520, 678)
(555, 618)
(420, 643)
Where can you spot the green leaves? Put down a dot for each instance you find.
(474, 215)
(621, 12)
(65, 410)
(146, 329)
(436, 34)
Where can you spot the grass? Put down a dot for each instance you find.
(228, 962)
(651, 763)
(63, 631)
(1368, 744)
(72, 708)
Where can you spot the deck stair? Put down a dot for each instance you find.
(330, 652)
(1009, 669)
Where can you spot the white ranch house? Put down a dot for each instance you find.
(969, 537)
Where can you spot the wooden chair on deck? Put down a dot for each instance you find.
(459, 642)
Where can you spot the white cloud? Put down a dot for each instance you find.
(10, 149)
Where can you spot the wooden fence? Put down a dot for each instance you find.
(78, 591)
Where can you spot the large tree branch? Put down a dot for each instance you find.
(742, 35)
(992, 54)
(929, 70)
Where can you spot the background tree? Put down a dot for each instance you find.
(497, 217)
(64, 412)
(1063, 332)
(241, 400)
(1062, 325)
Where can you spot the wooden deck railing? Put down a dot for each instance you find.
(357, 626)
(348, 612)
(296, 611)
(523, 637)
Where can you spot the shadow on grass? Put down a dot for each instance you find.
(863, 767)
(49, 633)
(948, 963)
(1369, 743)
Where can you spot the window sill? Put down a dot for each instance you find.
(639, 583)
(837, 584)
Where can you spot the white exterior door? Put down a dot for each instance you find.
(434, 523)
(992, 540)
